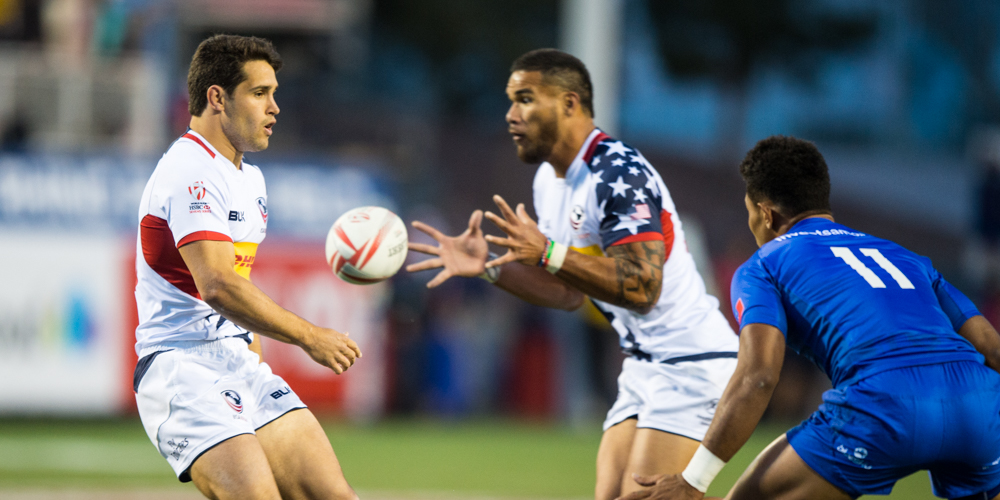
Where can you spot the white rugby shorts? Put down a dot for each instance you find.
(193, 395)
(678, 398)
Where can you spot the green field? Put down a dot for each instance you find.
(392, 459)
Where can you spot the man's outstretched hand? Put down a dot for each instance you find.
(663, 487)
(525, 243)
(463, 255)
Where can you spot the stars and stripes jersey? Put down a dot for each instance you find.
(852, 303)
(612, 196)
(194, 194)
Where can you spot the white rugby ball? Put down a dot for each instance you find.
(366, 245)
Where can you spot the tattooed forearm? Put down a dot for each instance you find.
(639, 273)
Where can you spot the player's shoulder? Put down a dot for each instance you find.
(613, 155)
(754, 266)
(186, 163)
(186, 155)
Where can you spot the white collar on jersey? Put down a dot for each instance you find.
(578, 161)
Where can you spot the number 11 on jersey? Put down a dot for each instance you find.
(848, 256)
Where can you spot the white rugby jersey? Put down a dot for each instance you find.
(611, 196)
(194, 194)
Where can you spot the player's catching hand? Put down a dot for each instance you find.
(463, 255)
(525, 243)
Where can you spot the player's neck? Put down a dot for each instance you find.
(569, 144)
(211, 130)
(787, 224)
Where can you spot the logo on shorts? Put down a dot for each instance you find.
(197, 190)
(262, 205)
(576, 217)
(178, 448)
(233, 400)
(858, 456)
(706, 418)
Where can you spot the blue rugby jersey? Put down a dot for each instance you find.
(852, 303)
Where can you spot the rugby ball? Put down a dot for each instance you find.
(366, 245)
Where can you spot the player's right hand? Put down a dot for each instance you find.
(332, 349)
(462, 255)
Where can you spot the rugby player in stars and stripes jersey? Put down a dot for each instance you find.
(208, 401)
(914, 366)
(607, 229)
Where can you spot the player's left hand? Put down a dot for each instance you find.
(663, 487)
(524, 242)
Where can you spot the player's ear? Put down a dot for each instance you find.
(571, 101)
(767, 213)
(216, 98)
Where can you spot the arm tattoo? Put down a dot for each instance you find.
(639, 273)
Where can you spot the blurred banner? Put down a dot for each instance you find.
(67, 256)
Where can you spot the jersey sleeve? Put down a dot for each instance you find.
(628, 199)
(197, 206)
(755, 298)
(954, 303)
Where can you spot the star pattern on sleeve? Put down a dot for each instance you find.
(619, 187)
(617, 148)
(628, 195)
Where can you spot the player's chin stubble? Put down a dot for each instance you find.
(538, 150)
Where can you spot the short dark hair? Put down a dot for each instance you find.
(219, 60)
(788, 171)
(561, 70)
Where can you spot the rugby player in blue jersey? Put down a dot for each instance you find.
(913, 363)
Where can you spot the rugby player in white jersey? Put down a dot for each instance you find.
(607, 229)
(208, 402)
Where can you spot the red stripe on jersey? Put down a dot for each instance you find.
(739, 310)
(593, 145)
(196, 139)
(647, 236)
(162, 256)
(667, 235)
(667, 227)
(201, 236)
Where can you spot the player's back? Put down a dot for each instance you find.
(854, 304)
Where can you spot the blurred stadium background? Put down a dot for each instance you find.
(465, 392)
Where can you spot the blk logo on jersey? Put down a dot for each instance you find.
(262, 205)
(280, 392)
(236, 216)
(576, 217)
(233, 400)
(197, 190)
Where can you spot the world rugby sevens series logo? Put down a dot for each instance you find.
(197, 190)
(233, 400)
(262, 205)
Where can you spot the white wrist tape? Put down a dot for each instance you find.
(702, 469)
(555, 262)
